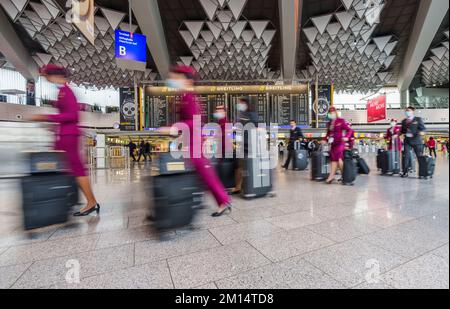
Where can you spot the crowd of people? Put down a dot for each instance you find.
(144, 151)
(406, 136)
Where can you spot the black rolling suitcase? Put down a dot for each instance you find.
(48, 193)
(426, 167)
(380, 158)
(363, 168)
(320, 165)
(300, 158)
(257, 172)
(350, 169)
(225, 169)
(390, 163)
(176, 192)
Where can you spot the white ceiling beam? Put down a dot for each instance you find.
(14, 50)
(430, 15)
(290, 12)
(148, 17)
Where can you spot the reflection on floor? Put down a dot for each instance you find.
(385, 232)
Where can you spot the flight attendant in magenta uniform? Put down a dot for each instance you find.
(393, 137)
(183, 77)
(338, 134)
(351, 141)
(68, 134)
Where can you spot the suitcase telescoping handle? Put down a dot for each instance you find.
(395, 152)
(297, 145)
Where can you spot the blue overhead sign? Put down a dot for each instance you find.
(131, 47)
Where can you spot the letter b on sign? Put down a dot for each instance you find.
(122, 51)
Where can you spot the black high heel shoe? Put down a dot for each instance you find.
(227, 208)
(96, 208)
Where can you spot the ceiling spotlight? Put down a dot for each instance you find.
(229, 52)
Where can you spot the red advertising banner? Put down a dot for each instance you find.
(376, 109)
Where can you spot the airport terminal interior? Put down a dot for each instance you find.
(224, 144)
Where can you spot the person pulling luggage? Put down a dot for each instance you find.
(350, 144)
(226, 164)
(295, 135)
(246, 115)
(68, 139)
(413, 128)
(393, 136)
(183, 78)
(338, 133)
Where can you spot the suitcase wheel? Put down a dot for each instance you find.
(272, 195)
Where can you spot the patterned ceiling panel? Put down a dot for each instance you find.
(61, 43)
(232, 40)
(435, 69)
(358, 45)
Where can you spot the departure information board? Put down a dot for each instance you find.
(273, 104)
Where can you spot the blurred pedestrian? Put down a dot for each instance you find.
(132, 147)
(182, 78)
(413, 128)
(68, 135)
(338, 133)
(148, 150)
(295, 135)
(142, 151)
(393, 136)
(246, 115)
(431, 144)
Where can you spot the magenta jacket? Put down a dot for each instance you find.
(68, 116)
(339, 130)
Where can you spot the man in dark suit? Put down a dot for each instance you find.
(413, 128)
(295, 135)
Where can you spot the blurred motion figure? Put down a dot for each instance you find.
(182, 77)
(338, 133)
(68, 135)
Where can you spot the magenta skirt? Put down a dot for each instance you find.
(70, 144)
(337, 152)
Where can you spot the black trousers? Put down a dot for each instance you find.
(418, 150)
(291, 155)
(146, 156)
(433, 151)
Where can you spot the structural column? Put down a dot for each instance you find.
(290, 19)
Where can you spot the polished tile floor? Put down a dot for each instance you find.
(384, 233)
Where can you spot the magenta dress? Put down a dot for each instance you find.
(337, 130)
(190, 108)
(68, 133)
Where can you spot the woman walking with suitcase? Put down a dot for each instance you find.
(182, 78)
(393, 137)
(338, 133)
(68, 139)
